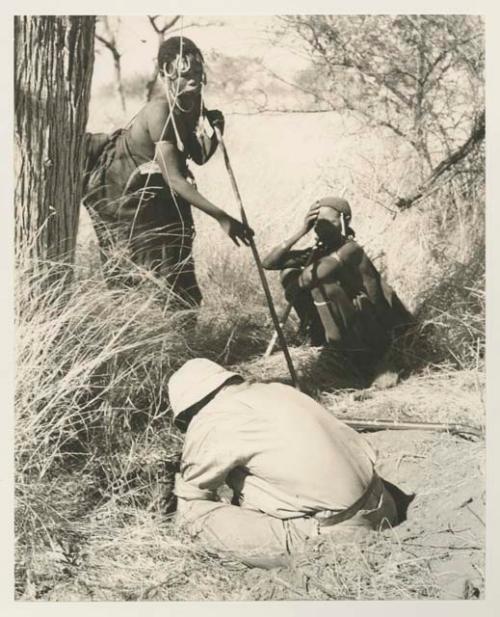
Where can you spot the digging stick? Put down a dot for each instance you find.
(265, 285)
(381, 425)
(274, 338)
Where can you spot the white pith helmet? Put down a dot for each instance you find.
(195, 380)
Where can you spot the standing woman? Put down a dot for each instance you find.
(139, 189)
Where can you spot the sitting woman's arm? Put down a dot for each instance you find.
(327, 268)
(281, 256)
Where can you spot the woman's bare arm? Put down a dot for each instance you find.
(275, 259)
(168, 158)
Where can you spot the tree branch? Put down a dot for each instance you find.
(196, 24)
(167, 26)
(348, 106)
(270, 110)
(477, 135)
(312, 93)
(109, 45)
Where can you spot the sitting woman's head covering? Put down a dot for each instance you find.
(342, 206)
(337, 203)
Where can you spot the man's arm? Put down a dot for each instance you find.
(209, 455)
(281, 257)
(167, 157)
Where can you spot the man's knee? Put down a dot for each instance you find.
(249, 536)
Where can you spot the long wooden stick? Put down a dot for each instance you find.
(265, 285)
(287, 311)
(274, 338)
(380, 425)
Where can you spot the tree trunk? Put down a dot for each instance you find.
(110, 43)
(119, 83)
(54, 57)
(425, 162)
(150, 85)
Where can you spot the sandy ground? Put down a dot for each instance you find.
(446, 519)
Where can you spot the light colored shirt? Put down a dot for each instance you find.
(284, 453)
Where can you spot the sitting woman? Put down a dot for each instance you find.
(338, 294)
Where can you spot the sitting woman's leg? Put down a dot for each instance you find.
(303, 305)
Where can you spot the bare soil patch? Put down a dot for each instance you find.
(445, 523)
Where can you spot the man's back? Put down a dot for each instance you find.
(280, 450)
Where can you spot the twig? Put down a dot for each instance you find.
(476, 515)
(331, 594)
(379, 425)
(479, 570)
(287, 585)
(269, 110)
(472, 547)
(166, 26)
(168, 580)
(407, 455)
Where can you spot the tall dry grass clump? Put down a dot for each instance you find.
(92, 418)
(93, 423)
(436, 256)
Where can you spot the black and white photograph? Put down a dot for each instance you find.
(249, 300)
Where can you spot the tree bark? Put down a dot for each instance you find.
(54, 58)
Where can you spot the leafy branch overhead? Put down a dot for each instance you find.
(420, 77)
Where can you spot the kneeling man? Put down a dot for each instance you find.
(296, 472)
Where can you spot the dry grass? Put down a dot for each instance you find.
(141, 558)
(444, 396)
(438, 394)
(146, 561)
(94, 436)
